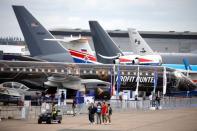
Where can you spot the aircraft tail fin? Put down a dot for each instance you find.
(186, 63)
(103, 44)
(34, 34)
(138, 44)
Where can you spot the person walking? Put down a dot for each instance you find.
(74, 106)
(62, 98)
(98, 113)
(91, 110)
(109, 113)
(104, 113)
(158, 101)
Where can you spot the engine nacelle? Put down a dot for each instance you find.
(116, 61)
(136, 61)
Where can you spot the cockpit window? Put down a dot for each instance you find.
(178, 74)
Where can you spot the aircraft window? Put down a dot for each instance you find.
(2, 69)
(55, 71)
(77, 72)
(128, 73)
(36, 69)
(146, 73)
(30, 70)
(91, 71)
(15, 86)
(24, 69)
(97, 72)
(69, 71)
(49, 70)
(134, 73)
(152, 74)
(7, 85)
(62, 71)
(103, 72)
(24, 88)
(109, 72)
(18, 69)
(122, 73)
(84, 71)
(140, 73)
(11, 69)
(42, 70)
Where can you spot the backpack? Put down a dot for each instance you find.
(98, 109)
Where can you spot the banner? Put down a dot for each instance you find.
(138, 80)
(118, 81)
(155, 80)
(164, 81)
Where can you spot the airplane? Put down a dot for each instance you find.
(79, 49)
(43, 46)
(171, 60)
(13, 92)
(34, 34)
(73, 76)
(108, 52)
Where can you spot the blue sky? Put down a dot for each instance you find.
(144, 15)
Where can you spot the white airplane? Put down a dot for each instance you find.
(78, 48)
(106, 49)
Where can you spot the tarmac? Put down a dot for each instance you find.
(184, 119)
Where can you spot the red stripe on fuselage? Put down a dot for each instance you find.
(82, 55)
(144, 60)
(195, 81)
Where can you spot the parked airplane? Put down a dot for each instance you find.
(74, 76)
(173, 60)
(79, 49)
(43, 45)
(108, 52)
(179, 61)
(34, 34)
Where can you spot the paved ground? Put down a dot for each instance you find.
(159, 120)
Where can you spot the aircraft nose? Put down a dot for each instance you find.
(187, 85)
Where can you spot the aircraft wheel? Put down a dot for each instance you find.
(48, 121)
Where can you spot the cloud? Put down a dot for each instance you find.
(178, 15)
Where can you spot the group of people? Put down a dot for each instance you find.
(103, 113)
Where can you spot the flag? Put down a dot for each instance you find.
(164, 80)
(118, 81)
(34, 24)
(137, 80)
(84, 50)
(155, 80)
(112, 85)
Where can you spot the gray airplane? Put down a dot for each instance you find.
(35, 35)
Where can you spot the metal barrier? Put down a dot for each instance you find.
(17, 112)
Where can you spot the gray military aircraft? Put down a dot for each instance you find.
(34, 34)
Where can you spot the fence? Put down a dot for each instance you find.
(17, 112)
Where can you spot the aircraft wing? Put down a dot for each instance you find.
(74, 82)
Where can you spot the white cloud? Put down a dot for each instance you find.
(176, 15)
